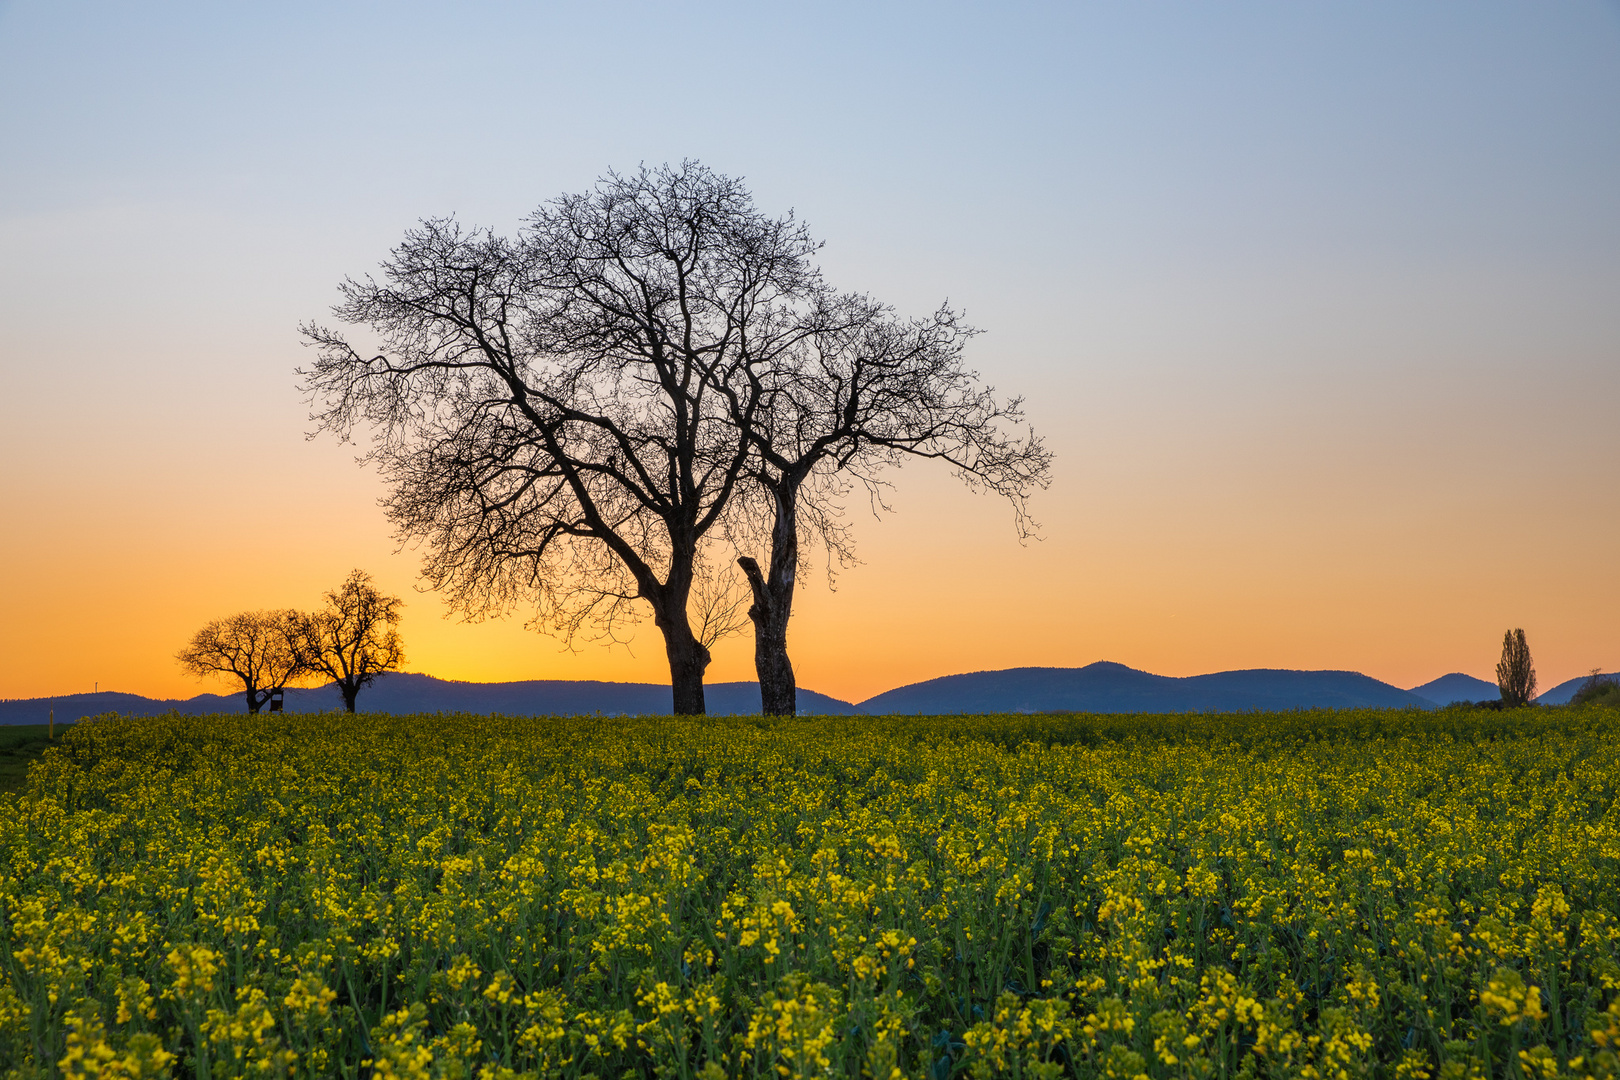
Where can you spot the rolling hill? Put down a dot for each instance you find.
(1110, 687)
(1560, 694)
(1457, 687)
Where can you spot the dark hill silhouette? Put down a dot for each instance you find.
(71, 707)
(1560, 694)
(407, 692)
(1458, 687)
(1099, 687)
(1107, 687)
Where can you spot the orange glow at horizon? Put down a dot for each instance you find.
(944, 588)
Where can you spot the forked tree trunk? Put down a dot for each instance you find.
(778, 691)
(773, 607)
(254, 701)
(349, 693)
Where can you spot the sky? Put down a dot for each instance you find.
(1317, 306)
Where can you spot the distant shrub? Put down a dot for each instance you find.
(1598, 690)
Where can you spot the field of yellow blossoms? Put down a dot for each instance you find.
(1329, 894)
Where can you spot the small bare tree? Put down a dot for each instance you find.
(354, 638)
(261, 648)
(1515, 676)
(718, 607)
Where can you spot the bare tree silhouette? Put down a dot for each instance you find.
(866, 390)
(548, 410)
(354, 638)
(260, 648)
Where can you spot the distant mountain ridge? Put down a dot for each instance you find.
(1102, 687)
(1114, 688)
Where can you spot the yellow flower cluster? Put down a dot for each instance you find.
(1320, 895)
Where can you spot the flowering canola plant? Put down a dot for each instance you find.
(1314, 894)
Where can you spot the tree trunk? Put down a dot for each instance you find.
(349, 692)
(253, 702)
(773, 607)
(688, 657)
(688, 660)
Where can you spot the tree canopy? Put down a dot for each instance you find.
(1515, 674)
(261, 649)
(585, 418)
(354, 637)
(547, 409)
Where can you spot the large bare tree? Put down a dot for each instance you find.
(258, 648)
(866, 390)
(548, 410)
(354, 637)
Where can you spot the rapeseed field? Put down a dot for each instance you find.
(1332, 894)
